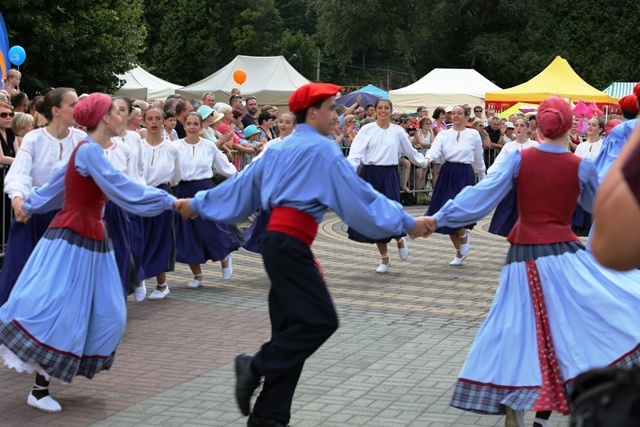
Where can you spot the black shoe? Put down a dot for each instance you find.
(256, 421)
(247, 380)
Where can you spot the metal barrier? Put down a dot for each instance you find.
(419, 180)
(7, 214)
(415, 178)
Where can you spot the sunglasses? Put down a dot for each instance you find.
(477, 111)
(5, 115)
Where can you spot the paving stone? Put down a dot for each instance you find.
(393, 362)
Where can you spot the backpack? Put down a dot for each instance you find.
(606, 397)
(407, 199)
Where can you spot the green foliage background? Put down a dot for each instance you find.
(388, 43)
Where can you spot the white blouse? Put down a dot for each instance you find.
(136, 168)
(382, 147)
(459, 147)
(509, 148)
(161, 163)
(196, 160)
(586, 150)
(119, 154)
(39, 157)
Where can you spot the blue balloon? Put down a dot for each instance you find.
(17, 55)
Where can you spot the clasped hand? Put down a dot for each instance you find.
(425, 226)
(183, 207)
(18, 212)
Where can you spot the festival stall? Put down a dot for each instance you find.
(557, 79)
(620, 89)
(271, 79)
(141, 84)
(443, 87)
(368, 95)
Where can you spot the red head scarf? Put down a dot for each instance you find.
(554, 117)
(90, 110)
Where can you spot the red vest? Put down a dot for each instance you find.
(548, 189)
(83, 203)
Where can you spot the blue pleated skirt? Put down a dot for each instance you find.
(592, 318)
(136, 241)
(384, 179)
(23, 239)
(118, 227)
(159, 254)
(505, 215)
(452, 179)
(66, 315)
(252, 235)
(199, 240)
(581, 221)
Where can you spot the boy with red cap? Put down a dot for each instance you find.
(629, 106)
(315, 176)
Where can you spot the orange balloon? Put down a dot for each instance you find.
(240, 76)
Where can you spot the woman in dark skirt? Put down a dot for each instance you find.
(161, 169)
(42, 153)
(506, 213)
(589, 149)
(377, 149)
(460, 150)
(200, 240)
(252, 235)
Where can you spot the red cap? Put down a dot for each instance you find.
(636, 90)
(311, 93)
(629, 103)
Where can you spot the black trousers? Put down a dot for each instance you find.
(302, 319)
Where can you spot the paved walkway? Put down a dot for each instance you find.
(402, 341)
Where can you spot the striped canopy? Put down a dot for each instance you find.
(620, 89)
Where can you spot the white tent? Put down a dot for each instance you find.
(141, 84)
(443, 87)
(271, 79)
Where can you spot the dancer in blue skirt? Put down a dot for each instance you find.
(557, 311)
(201, 240)
(252, 235)
(161, 168)
(43, 152)
(460, 152)
(134, 170)
(376, 149)
(66, 315)
(506, 214)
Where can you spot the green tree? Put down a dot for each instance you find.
(600, 52)
(182, 48)
(399, 28)
(255, 29)
(77, 43)
(301, 52)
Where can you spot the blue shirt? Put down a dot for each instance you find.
(307, 172)
(611, 147)
(475, 202)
